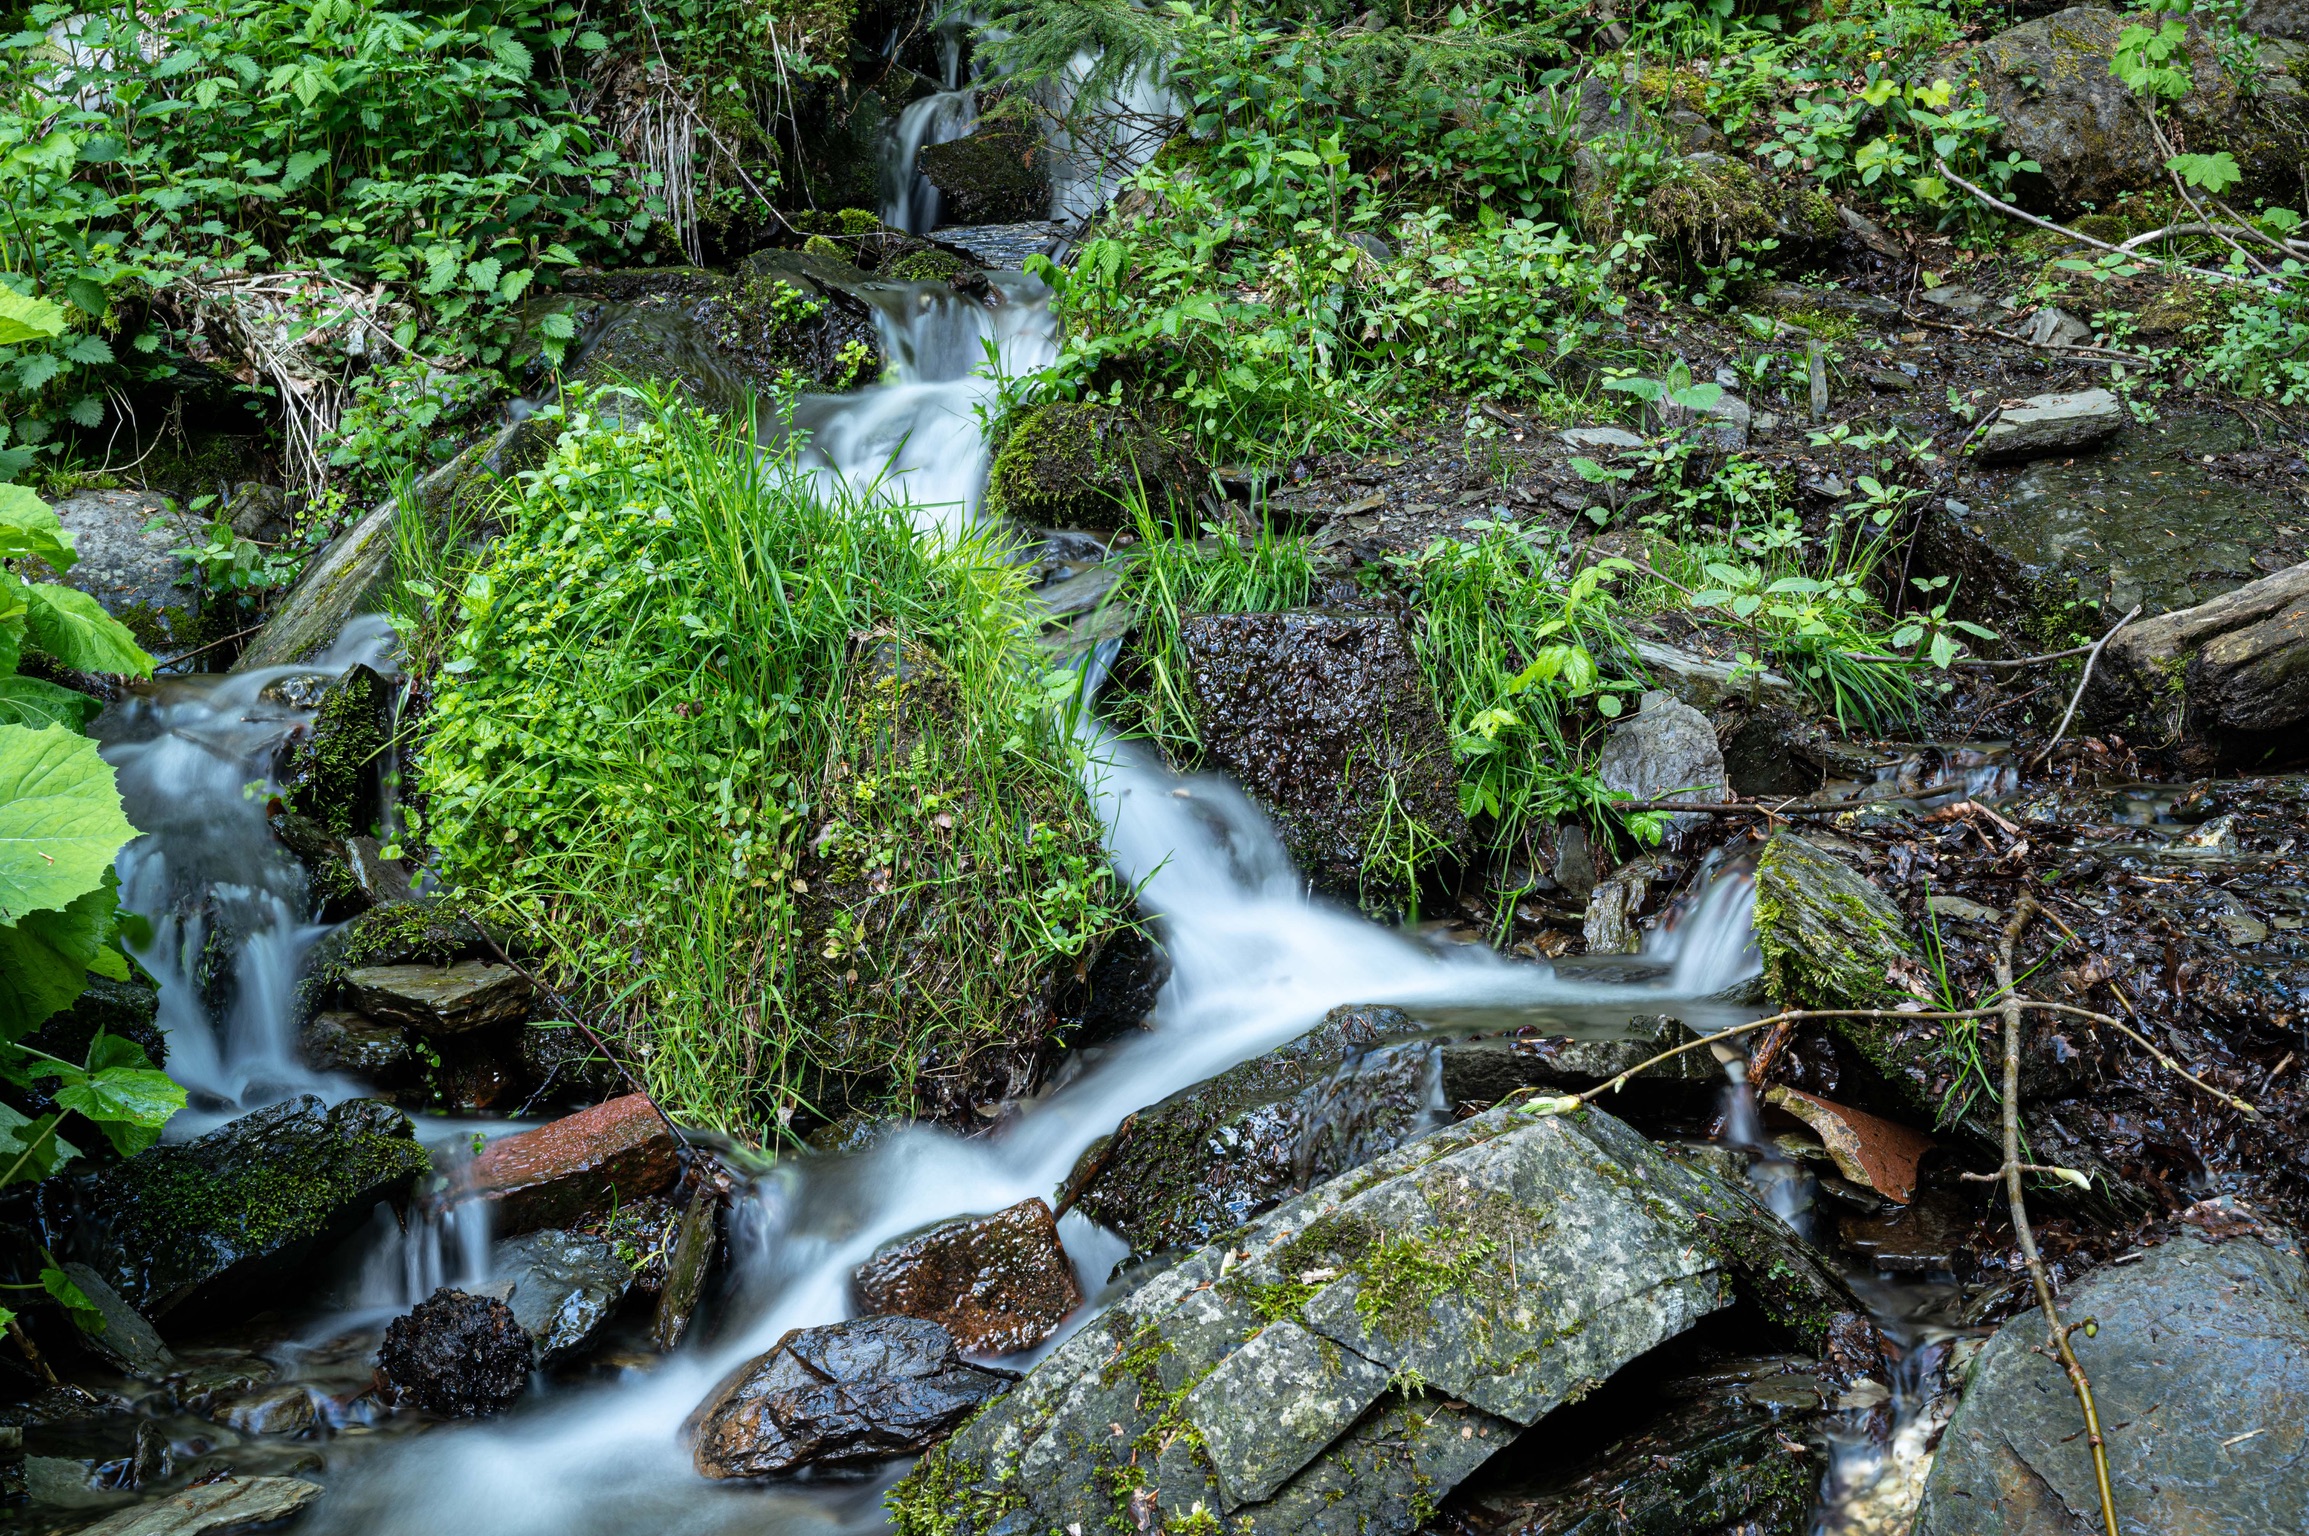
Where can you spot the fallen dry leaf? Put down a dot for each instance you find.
(1867, 1148)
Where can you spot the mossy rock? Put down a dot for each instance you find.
(927, 266)
(997, 175)
(788, 319)
(431, 931)
(1709, 207)
(1067, 464)
(335, 775)
(215, 1226)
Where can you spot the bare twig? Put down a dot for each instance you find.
(2003, 207)
(2015, 1197)
(198, 650)
(24, 1345)
(2163, 1060)
(2092, 658)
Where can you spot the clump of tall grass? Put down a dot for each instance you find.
(761, 771)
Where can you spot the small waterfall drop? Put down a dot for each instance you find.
(227, 914)
(909, 201)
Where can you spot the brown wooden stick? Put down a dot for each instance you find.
(2016, 1199)
(2081, 683)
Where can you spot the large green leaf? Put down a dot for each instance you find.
(74, 628)
(45, 958)
(29, 526)
(123, 1094)
(24, 319)
(31, 1149)
(60, 819)
(34, 702)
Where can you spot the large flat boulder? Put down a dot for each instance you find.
(2199, 1366)
(215, 1224)
(439, 1000)
(1344, 1361)
(125, 541)
(2070, 543)
(1325, 718)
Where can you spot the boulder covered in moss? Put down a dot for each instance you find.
(217, 1225)
(2050, 85)
(1326, 719)
(1346, 1360)
(928, 266)
(787, 319)
(999, 174)
(334, 772)
(1829, 938)
(1066, 464)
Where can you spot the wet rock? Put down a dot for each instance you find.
(1209, 1157)
(1325, 718)
(228, 1504)
(1067, 464)
(1667, 751)
(686, 1268)
(439, 1000)
(1118, 991)
(1729, 1448)
(213, 1225)
(334, 774)
(1609, 926)
(1507, 1263)
(996, 175)
(283, 1410)
(1483, 1070)
(997, 1284)
(456, 1355)
(718, 338)
(379, 1054)
(562, 1173)
(562, 1287)
(2232, 674)
(2200, 1370)
(2045, 425)
(851, 1393)
(131, 571)
(125, 1341)
(2050, 84)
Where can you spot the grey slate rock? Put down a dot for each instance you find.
(126, 1341)
(129, 571)
(2198, 1345)
(2043, 425)
(1512, 1261)
(562, 1286)
(1667, 751)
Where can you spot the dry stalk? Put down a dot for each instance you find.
(2016, 1198)
(2092, 659)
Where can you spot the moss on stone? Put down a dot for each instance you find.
(1708, 207)
(1066, 464)
(932, 266)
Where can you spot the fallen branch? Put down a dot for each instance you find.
(2122, 1028)
(2003, 207)
(2017, 1200)
(2091, 658)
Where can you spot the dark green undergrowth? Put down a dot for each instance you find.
(770, 776)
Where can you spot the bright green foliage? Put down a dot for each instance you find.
(769, 772)
(60, 819)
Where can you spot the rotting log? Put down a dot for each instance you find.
(2225, 679)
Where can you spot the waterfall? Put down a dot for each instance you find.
(909, 201)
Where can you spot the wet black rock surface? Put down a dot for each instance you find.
(457, 1355)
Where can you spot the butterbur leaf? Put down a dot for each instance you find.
(24, 319)
(45, 958)
(35, 702)
(128, 1104)
(61, 820)
(29, 526)
(74, 628)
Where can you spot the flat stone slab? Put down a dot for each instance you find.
(230, 1504)
(2043, 425)
(1509, 1263)
(562, 1286)
(438, 999)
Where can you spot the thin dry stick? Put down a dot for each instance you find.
(2004, 207)
(24, 1346)
(2092, 658)
(2017, 1200)
(2167, 1062)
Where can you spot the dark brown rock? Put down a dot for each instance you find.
(563, 1173)
(695, 1241)
(456, 1355)
(1326, 719)
(851, 1393)
(998, 1284)
(348, 1042)
(997, 175)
